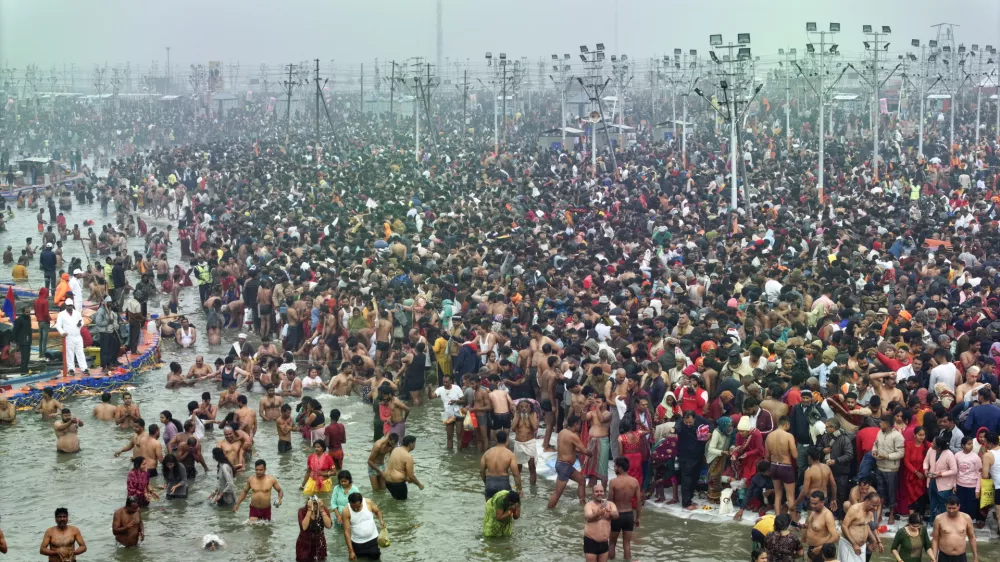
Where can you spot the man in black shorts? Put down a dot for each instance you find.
(624, 491)
(597, 515)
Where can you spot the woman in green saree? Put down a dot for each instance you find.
(501, 511)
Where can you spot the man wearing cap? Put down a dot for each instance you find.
(48, 261)
(237, 349)
(76, 286)
(68, 324)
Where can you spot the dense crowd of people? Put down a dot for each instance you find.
(829, 357)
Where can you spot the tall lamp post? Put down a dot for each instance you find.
(823, 53)
(561, 68)
(873, 47)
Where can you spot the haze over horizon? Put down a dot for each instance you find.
(59, 32)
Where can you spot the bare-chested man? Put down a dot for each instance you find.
(501, 406)
(624, 491)
(855, 532)
(951, 529)
(200, 370)
(67, 440)
(496, 464)
(284, 425)
(781, 452)
(525, 428)
(62, 543)
(597, 515)
(547, 383)
(341, 384)
(105, 411)
(270, 404)
(376, 460)
(568, 446)
(126, 524)
(144, 445)
(383, 335)
(817, 478)
(247, 417)
(820, 528)
(232, 446)
(261, 484)
(773, 403)
(48, 406)
(598, 419)
(126, 413)
(481, 407)
(399, 469)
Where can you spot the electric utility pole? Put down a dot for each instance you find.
(289, 84)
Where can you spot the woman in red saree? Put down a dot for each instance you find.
(631, 446)
(912, 495)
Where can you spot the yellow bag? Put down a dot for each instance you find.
(985, 493)
(383, 538)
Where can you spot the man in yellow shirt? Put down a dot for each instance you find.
(19, 273)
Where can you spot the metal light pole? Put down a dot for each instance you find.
(821, 158)
(562, 69)
(876, 113)
(743, 54)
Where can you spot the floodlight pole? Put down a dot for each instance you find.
(684, 131)
(788, 110)
(923, 94)
(979, 101)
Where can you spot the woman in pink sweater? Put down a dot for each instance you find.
(942, 474)
(969, 468)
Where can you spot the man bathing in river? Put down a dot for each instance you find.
(376, 460)
(820, 528)
(399, 469)
(126, 412)
(568, 446)
(625, 493)
(145, 445)
(67, 440)
(495, 465)
(62, 543)
(105, 411)
(597, 515)
(126, 525)
(261, 484)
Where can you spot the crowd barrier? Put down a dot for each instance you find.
(148, 355)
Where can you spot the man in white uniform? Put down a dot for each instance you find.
(68, 324)
(76, 286)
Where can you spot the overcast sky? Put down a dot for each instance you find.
(57, 32)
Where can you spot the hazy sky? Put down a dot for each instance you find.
(57, 32)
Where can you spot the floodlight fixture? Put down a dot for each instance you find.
(489, 55)
(699, 92)
(677, 52)
(913, 57)
(583, 57)
(835, 28)
(866, 29)
(725, 58)
(600, 56)
(555, 57)
(693, 52)
(867, 45)
(583, 49)
(600, 46)
(810, 49)
(614, 58)
(914, 42)
(724, 84)
(793, 50)
(624, 57)
(743, 53)
(932, 43)
(810, 26)
(714, 57)
(781, 51)
(833, 48)
(503, 56)
(946, 48)
(743, 38)
(555, 67)
(715, 40)
(885, 47)
(975, 48)
(886, 29)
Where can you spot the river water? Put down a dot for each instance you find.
(440, 523)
